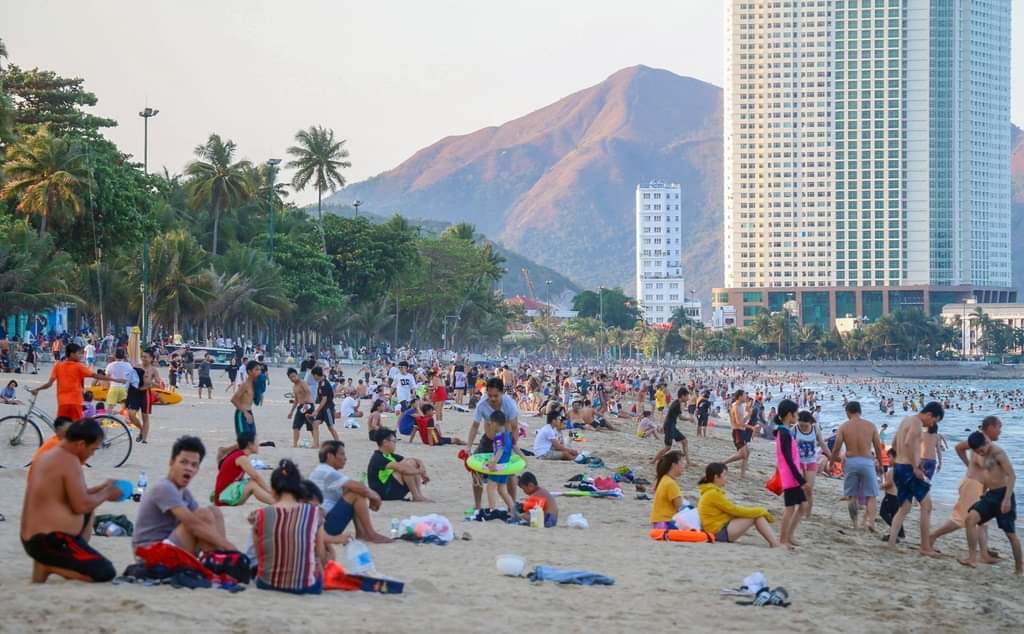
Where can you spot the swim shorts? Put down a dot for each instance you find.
(989, 506)
(722, 536)
(204, 381)
(970, 492)
(302, 417)
(928, 465)
(138, 400)
(116, 394)
(672, 434)
(739, 438)
(242, 425)
(794, 496)
(231, 495)
(860, 477)
(338, 518)
(69, 552)
(908, 486)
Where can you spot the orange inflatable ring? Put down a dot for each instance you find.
(678, 535)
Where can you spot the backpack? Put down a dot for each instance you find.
(236, 565)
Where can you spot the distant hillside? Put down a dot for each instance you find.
(557, 185)
(513, 282)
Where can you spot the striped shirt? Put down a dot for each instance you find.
(285, 542)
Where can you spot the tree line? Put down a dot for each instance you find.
(228, 254)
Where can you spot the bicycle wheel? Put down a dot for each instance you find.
(19, 439)
(117, 443)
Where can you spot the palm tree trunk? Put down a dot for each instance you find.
(320, 216)
(216, 227)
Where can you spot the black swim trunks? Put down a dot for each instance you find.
(739, 438)
(989, 506)
(303, 417)
(69, 552)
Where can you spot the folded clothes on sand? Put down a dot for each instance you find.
(577, 577)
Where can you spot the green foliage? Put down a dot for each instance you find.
(217, 182)
(318, 160)
(32, 274)
(368, 257)
(44, 98)
(619, 309)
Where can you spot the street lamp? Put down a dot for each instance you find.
(547, 283)
(146, 115)
(356, 203)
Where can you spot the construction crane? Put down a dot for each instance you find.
(529, 283)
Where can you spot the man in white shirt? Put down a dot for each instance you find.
(90, 355)
(405, 385)
(345, 499)
(350, 410)
(549, 444)
(496, 400)
(122, 372)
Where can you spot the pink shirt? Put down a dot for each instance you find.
(789, 480)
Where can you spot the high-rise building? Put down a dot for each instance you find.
(660, 287)
(867, 156)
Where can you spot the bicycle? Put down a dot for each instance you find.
(21, 435)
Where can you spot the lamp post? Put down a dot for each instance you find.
(600, 303)
(356, 203)
(146, 115)
(547, 283)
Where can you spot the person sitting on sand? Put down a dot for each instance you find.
(724, 519)
(170, 513)
(393, 476)
(537, 496)
(237, 479)
(430, 429)
(646, 426)
(668, 498)
(10, 395)
(549, 444)
(288, 537)
(57, 512)
(373, 422)
(345, 499)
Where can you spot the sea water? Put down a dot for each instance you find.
(955, 426)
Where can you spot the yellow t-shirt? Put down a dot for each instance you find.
(659, 398)
(664, 509)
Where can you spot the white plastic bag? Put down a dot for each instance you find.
(358, 560)
(425, 525)
(576, 520)
(687, 519)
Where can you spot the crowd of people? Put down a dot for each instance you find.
(302, 520)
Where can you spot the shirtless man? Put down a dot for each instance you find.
(301, 413)
(862, 468)
(931, 454)
(741, 431)
(242, 399)
(56, 516)
(998, 502)
(911, 482)
(971, 487)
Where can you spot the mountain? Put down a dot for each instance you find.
(557, 185)
(560, 291)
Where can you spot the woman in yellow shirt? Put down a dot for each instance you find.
(668, 498)
(723, 518)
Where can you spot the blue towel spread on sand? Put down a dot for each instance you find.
(578, 577)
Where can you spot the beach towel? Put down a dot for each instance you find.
(335, 578)
(169, 557)
(576, 577)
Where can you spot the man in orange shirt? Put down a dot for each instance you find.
(70, 375)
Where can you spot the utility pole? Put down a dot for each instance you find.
(146, 115)
(271, 212)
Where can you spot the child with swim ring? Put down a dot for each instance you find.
(501, 455)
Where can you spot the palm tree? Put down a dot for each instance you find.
(217, 181)
(181, 282)
(371, 317)
(46, 174)
(32, 275)
(318, 158)
(249, 287)
(461, 231)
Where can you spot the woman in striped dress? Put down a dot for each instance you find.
(289, 537)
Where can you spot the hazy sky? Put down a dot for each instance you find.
(389, 76)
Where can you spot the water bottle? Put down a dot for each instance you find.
(394, 528)
(113, 530)
(536, 517)
(141, 484)
(357, 558)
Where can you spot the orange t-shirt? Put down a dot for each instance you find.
(70, 376)
(50, 443)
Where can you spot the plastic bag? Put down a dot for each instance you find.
(576, 520)
(687, 519)
(426, 525)
(774, 483)
(358, 560)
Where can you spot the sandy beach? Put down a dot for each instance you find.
(838, 579)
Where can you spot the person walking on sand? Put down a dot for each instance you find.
(863, 463)
(911, 483)
(972, 486)
(742, 432)
(794, 484)
(998, 502)
(301, 412)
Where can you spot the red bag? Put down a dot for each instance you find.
(774, 483)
